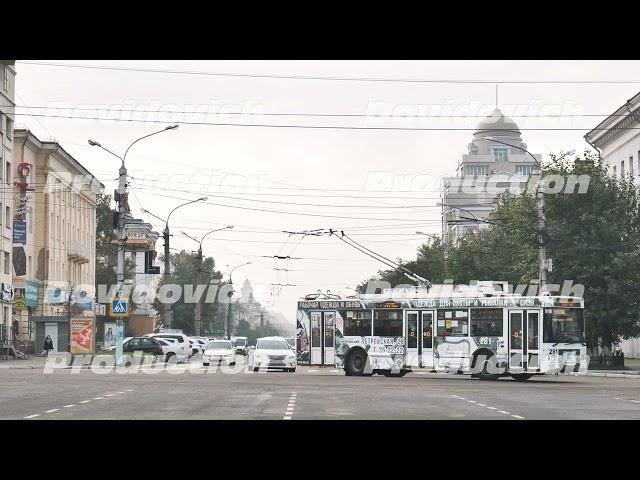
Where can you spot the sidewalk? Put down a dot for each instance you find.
(35, 361)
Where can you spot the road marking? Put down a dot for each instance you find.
(119, 393)
(518, 416)
(33, 416)
(97, 398)
(69, 406)
(85, 401)
(635, 401)
(287, 418)
(52, 410)
(290, 406)
(481, 405)
(471, 401)
(506, 413)
(109, 394)
(492, 408)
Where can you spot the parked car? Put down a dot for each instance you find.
(240, 344)
(171, 348)
(142, 344)
(220, 352)
(183, 342)
(198, 344)
(272, 353)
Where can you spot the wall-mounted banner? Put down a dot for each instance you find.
(109, 334)
(19, 232)
(31, 294)
(82, 333)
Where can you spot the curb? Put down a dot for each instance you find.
(614, 375)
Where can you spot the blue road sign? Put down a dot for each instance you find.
(119, 308)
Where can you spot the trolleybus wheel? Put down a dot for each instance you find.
(356, 363)
(521, 377)
(489, 365)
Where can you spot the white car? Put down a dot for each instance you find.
(171, 348)
(198, 344)
(272, 353)
(219, 352)
(185, 351)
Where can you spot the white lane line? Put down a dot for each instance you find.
(109, 394)
(462, 398)
(518, 416)
(287, 418)
(635, 401)
(97, 398)
(506, 413)
(291, 405)
(492, 408)
(119, 393)
(33, 416)
(85, 401)
(69, 406)
(471, 401)
(52, 410)
(481, 405)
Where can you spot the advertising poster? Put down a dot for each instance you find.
(109, 334)
(302, 339)
(82, 334)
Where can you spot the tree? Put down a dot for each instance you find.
(184, 274)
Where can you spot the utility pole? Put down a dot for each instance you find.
(199, 262)
(198, 312)
(120, 197)
(167, 272)
(227, 327)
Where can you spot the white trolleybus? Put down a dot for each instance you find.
(487, 334)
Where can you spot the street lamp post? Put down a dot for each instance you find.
(227, 326)
(120, 196)
(168, 313)
(198, 308)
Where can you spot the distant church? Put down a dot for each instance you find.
(490, 170)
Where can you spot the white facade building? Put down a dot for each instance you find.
(617, 139)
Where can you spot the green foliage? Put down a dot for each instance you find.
(183, 273)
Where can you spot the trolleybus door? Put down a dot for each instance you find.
(316, 338)
(328, 340)
(517, 343)
(533, 339)
(426, 357)
(412, 339)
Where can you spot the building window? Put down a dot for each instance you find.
(5, 82)
(7, 263)
(622, 169)
(524, 169)
(615, 171)
(8, 217)
(501, 154)
(7, 172)
(486, 322)
(476, 170)
(29, 266)
(631, 165)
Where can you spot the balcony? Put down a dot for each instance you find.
(78, 252)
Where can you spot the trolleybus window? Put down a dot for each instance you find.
(564, 325)
(453, 323)
(388, 323)
(357, 323)
(486, 322)
(315, 329)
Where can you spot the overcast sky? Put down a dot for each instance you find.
(375, 171)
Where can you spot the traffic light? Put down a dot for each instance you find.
(149, 258)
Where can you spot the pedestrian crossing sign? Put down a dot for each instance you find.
(119, 308)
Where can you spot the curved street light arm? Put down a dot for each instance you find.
(170, 127)
(187, 203)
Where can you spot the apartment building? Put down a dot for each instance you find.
(7, 118)
(56, 197)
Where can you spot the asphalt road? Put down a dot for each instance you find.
(193, 393)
